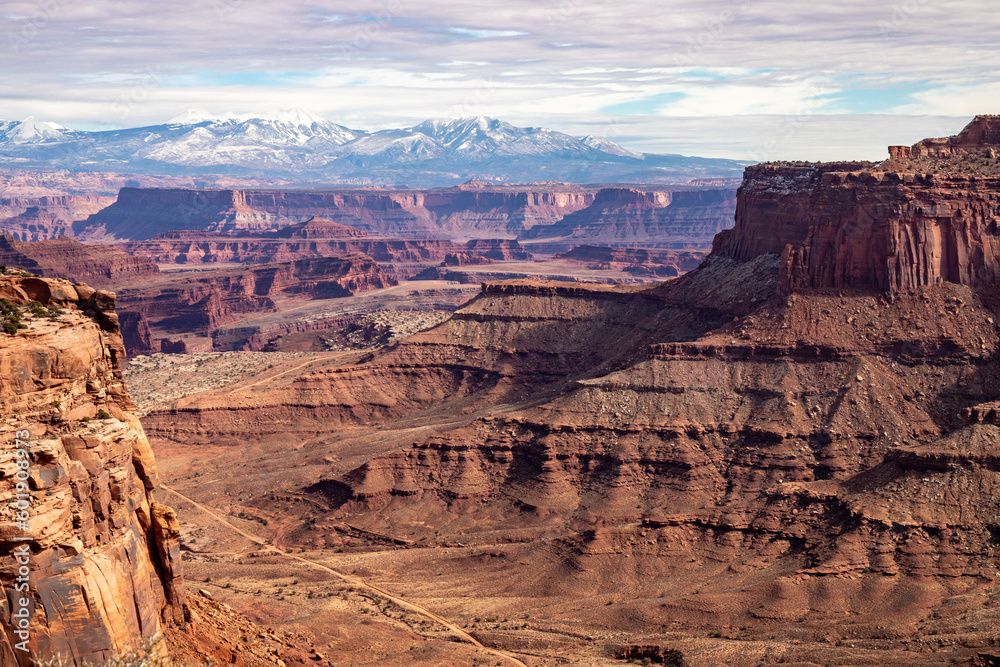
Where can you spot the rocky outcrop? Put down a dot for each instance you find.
(501, 250)
(636, 261)
(318, 228)
(136, 334)
(444, 213)
(856, 225)
(200, 248)
(168, 346)
(47, 217)
(488, 251)
(204, 301)
(668, 219)
(981, 137)
(66, 258)
(100, 555)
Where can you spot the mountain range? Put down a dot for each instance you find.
(301, 146)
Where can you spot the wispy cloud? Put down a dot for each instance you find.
(379, 62)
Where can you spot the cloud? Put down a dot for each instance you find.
(385, 62)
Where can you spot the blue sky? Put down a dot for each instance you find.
(829, 81)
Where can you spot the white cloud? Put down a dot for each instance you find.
(385, 62)
(956, 100)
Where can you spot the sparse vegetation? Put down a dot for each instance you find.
(146, 656)
(10, 317)
(103, 414)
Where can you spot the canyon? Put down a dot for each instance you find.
(199, 304)
(784, 455)
(473, 210)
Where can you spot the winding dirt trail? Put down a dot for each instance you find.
(271, 378)
(353, 581)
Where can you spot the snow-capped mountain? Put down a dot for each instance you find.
(298, 145)
(33, 131)
(608, 146)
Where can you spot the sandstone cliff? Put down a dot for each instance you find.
(201, 248)
(855, 225)
(673, 219)
(501, 250)
(105, 571)
(445, 213)
(980, 138)
(47, 217)
(203, 301)
(63, 257)
(318, 228)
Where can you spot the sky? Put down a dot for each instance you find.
(746, 79)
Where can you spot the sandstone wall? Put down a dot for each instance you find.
(207, 249)
(206, 300)
(848, 225)
(47, 217)
(142, 213)
(105, 572)
(64, 257)
(628, 215)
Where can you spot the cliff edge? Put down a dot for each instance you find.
(90, 560)
(926, 216)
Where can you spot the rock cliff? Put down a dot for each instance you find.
(204, 301)
(673, 219)
(500, 250)
(980, 138)
(63, 257)
(318, 228)
(101, 554)
(445, 213)
(200, 248)
(857, 225)
(47, 217)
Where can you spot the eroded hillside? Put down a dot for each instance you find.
(788, 454)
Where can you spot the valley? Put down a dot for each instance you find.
(454, 451)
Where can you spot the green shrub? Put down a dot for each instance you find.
(10, 317)
(103, 414)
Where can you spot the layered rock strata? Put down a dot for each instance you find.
(64, 257)
(204, 301)
(103, 566)
(637, 261)
(672, 219)
(789, 440)
(854, 225)
(451, 212)
(751, 408)
(47, 217)
(199, 248)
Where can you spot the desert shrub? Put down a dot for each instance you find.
(36, 308)
(10, 317)
(103, 414)
(39, 310)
